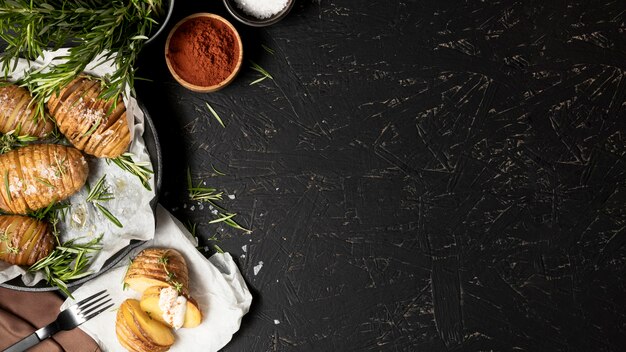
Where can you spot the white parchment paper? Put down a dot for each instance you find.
(132, 201)
(215, 283)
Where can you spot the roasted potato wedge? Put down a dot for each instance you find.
(138, 332)
(36, 175)
(92, 124)
(17, 113)
(150, 304)
(158, 267)
(24, 240)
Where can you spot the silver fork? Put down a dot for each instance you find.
(68, 319)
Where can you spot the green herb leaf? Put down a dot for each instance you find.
(268, 49)
(67, 262)
(117, 28)
(211, 196)
(139, 169)
(6, 185)
(108, 215)
(217, 117)
(217, 171)
(100, 191)
(260, 70)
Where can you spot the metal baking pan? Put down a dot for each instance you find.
(154, 150)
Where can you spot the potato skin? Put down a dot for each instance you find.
(24, 240)
(150, 268)
(34, 176)
(17, 115)
(132, 335)
(90, 123)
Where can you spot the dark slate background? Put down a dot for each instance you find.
(419, 176)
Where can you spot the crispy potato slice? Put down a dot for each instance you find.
(96, 126)
(37, 175)
(138, 332)
(18, 114)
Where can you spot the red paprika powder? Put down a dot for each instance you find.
(203, 51)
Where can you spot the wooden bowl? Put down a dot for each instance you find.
(191, 86)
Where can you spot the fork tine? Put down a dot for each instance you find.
(86, 300)
(93, 302)
(98, 312)
(84, 312)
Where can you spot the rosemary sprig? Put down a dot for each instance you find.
(262, 71)
(52, 214)
(227, 218)
(211, 196)
(217, 171)
(116, 28)
(6, 185)
(268, 49)
(44, 181)
(217, 117)
(13, 139)
(200, 193)
(101, 193)
(139, 169)
(164, 259)
(59, 165)
(53, 210)
(67, 262)
(108, 215)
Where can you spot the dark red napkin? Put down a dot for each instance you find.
(21, 313)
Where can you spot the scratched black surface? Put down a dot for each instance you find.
(419, 176)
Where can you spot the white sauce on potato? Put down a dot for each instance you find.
(173, 307)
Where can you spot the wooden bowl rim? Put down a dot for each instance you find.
(191, 86)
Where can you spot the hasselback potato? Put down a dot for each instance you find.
(158, 267)
(37, 175)
(18, 114)
(24, 240)
(92, 124)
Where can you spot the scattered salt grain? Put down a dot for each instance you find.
(276, 321)
(231, 196)
(244, 248)
(261, 8)
(257, 268)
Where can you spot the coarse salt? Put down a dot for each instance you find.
(261, 8)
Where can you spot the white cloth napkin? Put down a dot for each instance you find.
(215, 283)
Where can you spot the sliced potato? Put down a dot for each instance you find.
(158, 267)
(150, 304)
(138, 332)
(18, 114)
(96, 126)
(24, 240)
(34, 176)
